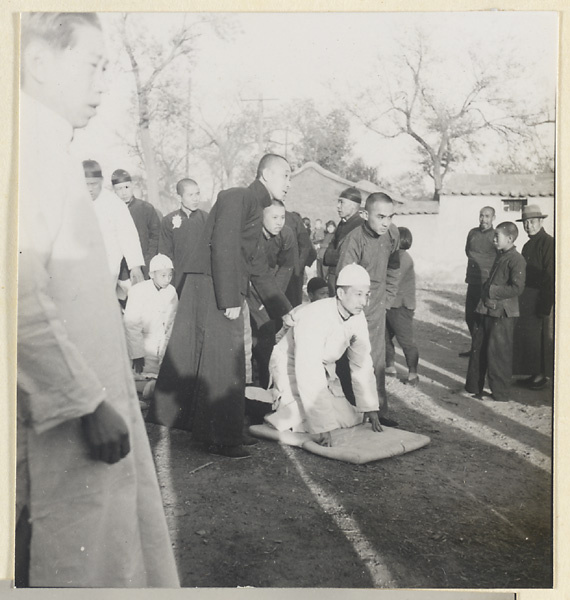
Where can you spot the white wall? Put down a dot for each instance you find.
(459, 214)
(438, 248)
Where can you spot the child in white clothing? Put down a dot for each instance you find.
(149, 316)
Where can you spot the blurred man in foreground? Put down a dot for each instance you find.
(89, 511)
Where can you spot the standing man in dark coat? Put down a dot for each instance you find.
(201, 384)
(181, 229)
(374, 245)
(481, 253)
(279, 245)
(348, 208)
(145, 216)
(534, 346)
(305, 255)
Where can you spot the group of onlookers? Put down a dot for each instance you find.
(211, 303)
(509, 304)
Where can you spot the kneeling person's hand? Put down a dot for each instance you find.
(374, 418)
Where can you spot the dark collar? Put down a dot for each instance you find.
(260, 193)
(537, 235)
(368, 231)
(511, 249)
(355, 216)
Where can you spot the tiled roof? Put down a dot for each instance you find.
(418, 207)
(363, 185)
(511, 185)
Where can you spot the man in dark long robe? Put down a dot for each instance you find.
(182, 228)
(305, 256)
(533, 337)
(201, 384)
(481, 253)
(146, 217)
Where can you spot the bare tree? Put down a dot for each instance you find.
(414, 96)
(161, 68)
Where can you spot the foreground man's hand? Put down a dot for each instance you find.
(374, 420)
(107, 434)
(232, 313)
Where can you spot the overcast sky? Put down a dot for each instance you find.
(313, 55)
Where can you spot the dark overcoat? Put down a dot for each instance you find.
(201, 384)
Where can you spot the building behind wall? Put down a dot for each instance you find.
(439, 228)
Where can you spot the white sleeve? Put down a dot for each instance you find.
(310, 335)
(55, 383)
(134, 321)
(129, 237)
(361, 367)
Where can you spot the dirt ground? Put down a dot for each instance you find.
(470, 510)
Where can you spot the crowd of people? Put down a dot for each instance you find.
(187, 310)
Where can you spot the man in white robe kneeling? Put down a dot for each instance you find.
(309, 396)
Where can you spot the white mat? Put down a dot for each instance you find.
(356, 445)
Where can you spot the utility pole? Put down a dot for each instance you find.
(260, 119)
(187, 162)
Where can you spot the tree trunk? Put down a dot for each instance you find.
(437, 179)
(149, 158)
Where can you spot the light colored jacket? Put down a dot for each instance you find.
(149, 316)
(303, 363)
(120, 235)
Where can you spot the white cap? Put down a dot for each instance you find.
(160, 262)
(353, 275)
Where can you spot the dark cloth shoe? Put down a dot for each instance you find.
(229, 451)
(412, 382)
(466, 354)
(388, 422)
(538, 385)
(247, 440)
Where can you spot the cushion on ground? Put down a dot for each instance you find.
(356, 445)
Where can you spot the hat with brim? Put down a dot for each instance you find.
(532, 211)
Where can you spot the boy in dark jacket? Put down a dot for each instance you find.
(492, 349)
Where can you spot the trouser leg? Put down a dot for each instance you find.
(22, 550)
(247, 344)
(547, 354)
(477, 368)
(343, 373)
(331, 281)
(400, 321)
(263, 342)
(471, 300)
(376, 318)
(500, 355)
(390, 350)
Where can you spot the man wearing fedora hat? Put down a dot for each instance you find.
(533, 340)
